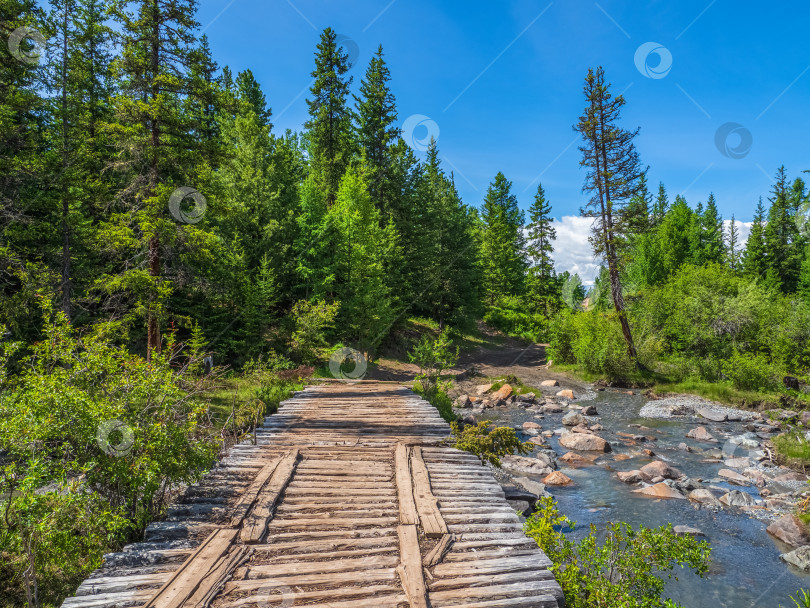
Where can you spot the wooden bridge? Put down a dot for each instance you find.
(349, 500)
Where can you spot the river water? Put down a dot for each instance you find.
(746, 571)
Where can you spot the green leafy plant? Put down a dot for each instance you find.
(620, 566)
(802, 599)
(434, 356)
(489, 444)
(312, 320)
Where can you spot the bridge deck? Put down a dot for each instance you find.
(347, 501)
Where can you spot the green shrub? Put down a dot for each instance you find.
(511, 316)
(794, 447)
(618, 567)
(561, 335)
(312, 320)
(751, 372)
(488, 444)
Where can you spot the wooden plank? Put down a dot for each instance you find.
(410, 567)
(426, 504)
(255, 525)
(439, 551)
(247, 499)
(402, 466)
(185, 582)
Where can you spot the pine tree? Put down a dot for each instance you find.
(732, 253)
(539, 247)
(154, 137)
(712, 248)
(638, 212)
(503, 242)
(782, 242)
(329, 126)
(661, 205)
(250, 94)
(755, 263)
(613, 174)
(375, 116)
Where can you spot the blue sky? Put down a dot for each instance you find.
(502, 83)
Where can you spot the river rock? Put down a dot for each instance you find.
(557, 479)
(631, 476)
(464, 401)
(536, 440)
(738, 463)
(684, 448)
(526, 397)
(549, 383)
(572, 419)
(482, 388)
(749, 440)
(799, 558)
(713, 415)
(660, 490)
(735, 498)
(620, 457)
(503, 393)
(704, 497)
(584, 443)
(566, 394)
(531, 425)
(552, 409)
(589, 410)
(687, 531)
(790, 531)
(522, 464)
(535, 487)
(573, 459)
(596, 427)
(734, 477)
(660, 469)
(790, 476)
(701, 434)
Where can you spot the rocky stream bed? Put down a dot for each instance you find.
(615, 455)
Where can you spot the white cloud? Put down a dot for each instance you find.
(743, 229)
(572, 251)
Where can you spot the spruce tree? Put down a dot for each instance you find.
(661, 205)
(503, 242)
(712, 247)
(732, 253)
(612, 179)
(329, 126)
(251, 95)
(755, 263)
(782, 242)
(375, 116)
(639, 219)
(539, 247)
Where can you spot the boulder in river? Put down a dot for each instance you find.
(658, 468)
(738, 463)
(503, 393)
(584, 443)
(557, 479)
(535, 487)
(711, 414)
(552, 409)
(734, 477)
(572, 459)
(687, 531)
(566, 393)
(701, 434)
(526, 397)
(635, 476)
(704, 497)
(464, 401)
(531, 425)
(660, 490)
(549, 383)
(572, 419)
(522, 464)
(735, 498)
(799, 558)
(790, 530)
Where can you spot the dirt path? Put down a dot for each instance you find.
(498, 356)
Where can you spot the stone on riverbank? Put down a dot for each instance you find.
(799, 558)
(557, 479)
(552, 409)
(535, 487)
(584, 443)
(503, 393)
(464, 401)
(687, 531)
(566, 394)
(701, 434)
(704, 497)
(734, 477)
(660, 490)
(790, 531)
(572, 419)
(531, 425)
(482, 388)
(522, 464)
(738, 463)
(711, 414)
(549, 383)
(575, 460)
(660, 469)
(735, 498)
(635, 476)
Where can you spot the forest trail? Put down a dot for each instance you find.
(348, 500)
